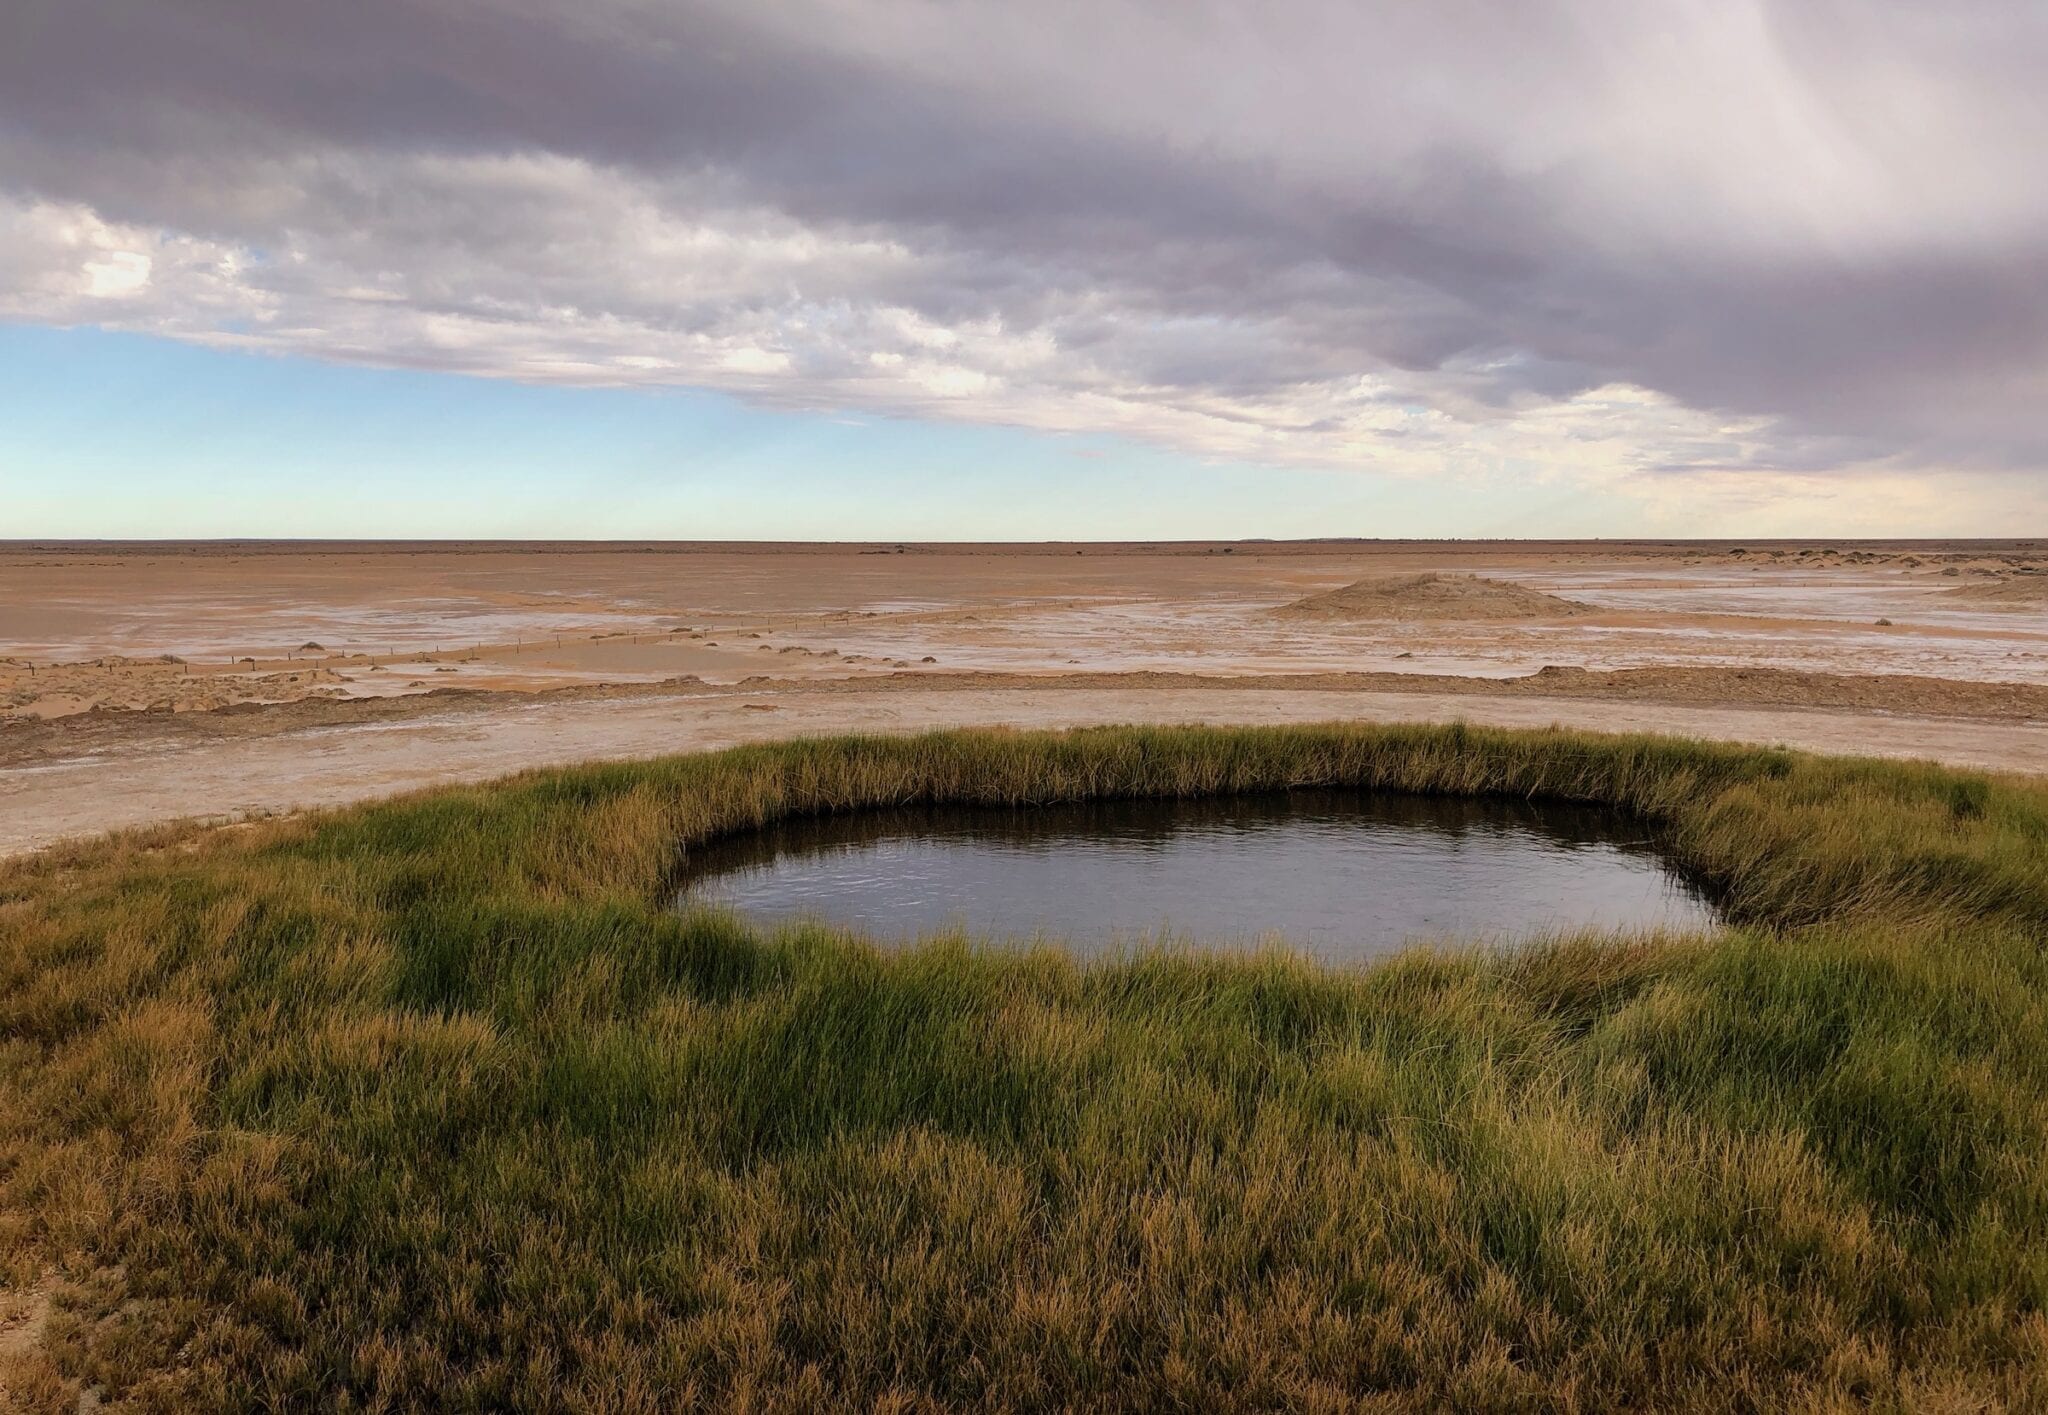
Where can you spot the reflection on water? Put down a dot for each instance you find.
(1342, 874)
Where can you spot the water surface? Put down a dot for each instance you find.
(1340, 874)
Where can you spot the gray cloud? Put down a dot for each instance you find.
(1628, 237)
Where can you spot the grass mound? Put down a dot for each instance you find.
(1431, 597)
(431, 1103)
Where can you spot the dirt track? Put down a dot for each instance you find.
(139, 781)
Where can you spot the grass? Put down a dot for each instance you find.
(431, 1103)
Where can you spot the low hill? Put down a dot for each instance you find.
(1431, 596)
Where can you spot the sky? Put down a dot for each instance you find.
(1128, 268)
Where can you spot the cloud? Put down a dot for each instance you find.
(1572, 238)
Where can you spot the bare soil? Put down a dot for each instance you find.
(141, 683)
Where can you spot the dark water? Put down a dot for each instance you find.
(1340, 874)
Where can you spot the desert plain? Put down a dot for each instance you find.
(141, 683)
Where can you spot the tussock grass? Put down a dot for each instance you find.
(432, 1103)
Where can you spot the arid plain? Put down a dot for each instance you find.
(143, 683)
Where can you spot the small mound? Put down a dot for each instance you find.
(2018, 592)
(1431, 596)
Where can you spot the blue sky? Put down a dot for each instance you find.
(125, 435)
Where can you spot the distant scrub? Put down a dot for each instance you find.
(433, 1103)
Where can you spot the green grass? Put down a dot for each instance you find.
(431, 1103)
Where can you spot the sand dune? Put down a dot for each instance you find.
(1431, 596)
(2019, 592)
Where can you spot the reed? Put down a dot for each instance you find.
(435, 1102)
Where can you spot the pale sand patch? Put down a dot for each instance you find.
(23, 1317)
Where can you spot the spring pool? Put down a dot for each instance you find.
(1336, 873)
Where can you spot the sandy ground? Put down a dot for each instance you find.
(141, 682)
(194, 628)
(324, 766)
